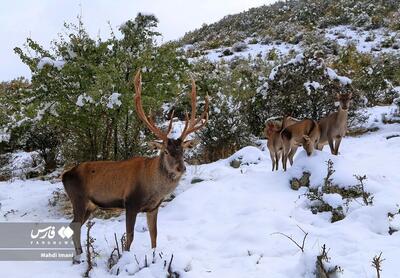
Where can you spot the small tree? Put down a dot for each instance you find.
(225, 132)
(305, 87)
(83, 88)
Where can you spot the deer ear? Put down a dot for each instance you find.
(190, 144)
(306, 137)
(154, 145)
(337, 96)
(350, 95)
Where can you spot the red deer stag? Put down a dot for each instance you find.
(138, 184)
(273, 134)
(334, 127)
(305, 132)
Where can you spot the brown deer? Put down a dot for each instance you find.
(273, 134)
(334, 127)
(138, 184)
(305, 133)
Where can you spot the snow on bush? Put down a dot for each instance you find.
(296, 60)
(219, 138)
(4, 135)
(82, 99)
(114, 100)
(334, 76)
(312, 85)
(247, 155)
(49, 61)
(25, 165)
(334, 199)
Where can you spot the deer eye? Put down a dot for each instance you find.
(166, 152)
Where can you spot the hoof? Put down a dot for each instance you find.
(76, 259)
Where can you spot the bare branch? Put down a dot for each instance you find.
(301, 247)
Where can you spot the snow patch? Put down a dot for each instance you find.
(334, 199)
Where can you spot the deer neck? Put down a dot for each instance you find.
(342, 115)
(342, 112)
(164, 173)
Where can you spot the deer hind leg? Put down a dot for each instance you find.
(286, 150)
(337, 144)
(79, 209)
(319, 146)
(131, 214)
(90, 208)
(152, 224)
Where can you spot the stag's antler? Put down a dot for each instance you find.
(192, 124)
(147, 119)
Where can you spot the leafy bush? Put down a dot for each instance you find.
(226, 132)
(83, 88)
(305, 87)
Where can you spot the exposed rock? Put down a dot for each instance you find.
(304, 180)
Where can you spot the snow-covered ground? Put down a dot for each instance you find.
(281, 49)
(226, 225)
(365, 41)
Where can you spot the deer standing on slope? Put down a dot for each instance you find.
(334, 127)
(305, 132)
(138, 184)
(273, 134)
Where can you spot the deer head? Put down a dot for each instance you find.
(270, 129)
(344, 100)
(171, 150)
(308, 144)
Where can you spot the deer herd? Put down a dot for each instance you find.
(284, 138)
(140, 184)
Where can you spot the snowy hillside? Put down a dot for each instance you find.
(228, 225)
(375, 42)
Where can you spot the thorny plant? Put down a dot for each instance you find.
(349, 194)
(321, 269)
(91, 254)
(377, 264)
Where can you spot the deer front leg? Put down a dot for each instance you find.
(330, 140)
(131, 214)
(286, 150)
(271, 154)
(291, 154)
(152, 224)
(337, 144)
(277, 157)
